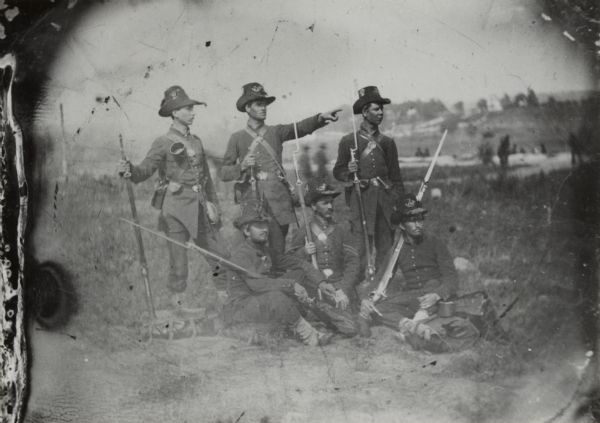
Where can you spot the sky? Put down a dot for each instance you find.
(312, 55)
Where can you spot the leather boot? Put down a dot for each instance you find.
(364, 326)
(309, 335)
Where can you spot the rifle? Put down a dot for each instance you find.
(370, 270)
(138, 238)
(191, 246)
(254, 184)
(399, 238)
(299, 184)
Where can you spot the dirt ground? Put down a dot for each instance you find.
(99, 370)
(79, 378)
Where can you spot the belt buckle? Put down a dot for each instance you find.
(262, 176)
(196, 188)
(327, 273)
(374, 182)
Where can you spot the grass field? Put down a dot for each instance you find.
(501, 226)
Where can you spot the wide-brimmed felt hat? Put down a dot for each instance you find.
(408, 209)
(251, 211)
(316, 192)
(175, 98)
(250, 92)
(368, 95)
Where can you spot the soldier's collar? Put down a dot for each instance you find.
(180, 129)
(412, 241)
(367, 129)
(253, 126)
(323, 223)
(261, 251)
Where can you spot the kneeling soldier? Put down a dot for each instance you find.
(424, 275)
(334, 246)
(265, 299)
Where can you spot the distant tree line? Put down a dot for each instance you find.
(418, 111)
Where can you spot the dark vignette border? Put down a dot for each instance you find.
(34, 37)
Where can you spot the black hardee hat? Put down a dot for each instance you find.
(368, 95)
(408, 209)
(316, 192)
(252, 91)
(252, 211)
(175, 98)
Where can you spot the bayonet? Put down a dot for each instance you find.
(380, 291)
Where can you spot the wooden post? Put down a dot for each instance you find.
(65, 168)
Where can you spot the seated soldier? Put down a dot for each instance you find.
(336, 257)
(265, 299)
(424, 277)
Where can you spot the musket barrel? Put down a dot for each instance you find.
(313, 257)
(370, 270)
(201, 250)
(138, 238)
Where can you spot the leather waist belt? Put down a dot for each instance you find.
(377, 181)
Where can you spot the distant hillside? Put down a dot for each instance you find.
(577, 95)
(527, 128)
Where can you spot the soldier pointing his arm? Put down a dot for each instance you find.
(189, 202)
(254, 153)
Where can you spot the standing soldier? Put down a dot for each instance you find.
(504, 151)
(304, 165)
(186, 196)
(376, 165)
(320, 159)
(253, 158)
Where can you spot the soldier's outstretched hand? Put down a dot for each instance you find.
(341, 299)
(331, 116)
(212, 212)
(310, 248)
(428, 300)
(327, 289)
(300, 292)
(367, 307)
(249, 160)
(124, 168)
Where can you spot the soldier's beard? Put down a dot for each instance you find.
(327, 218)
